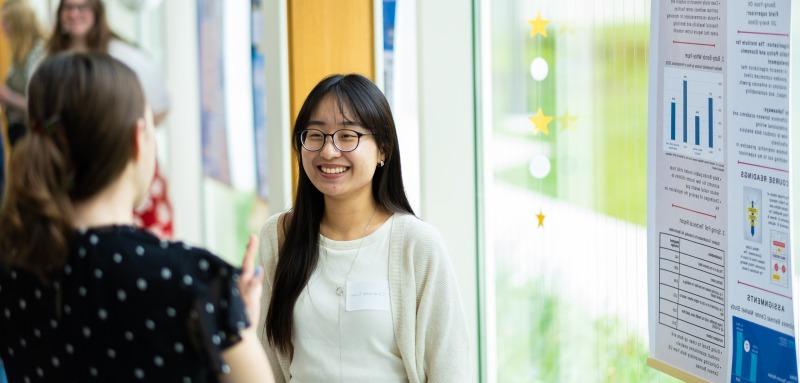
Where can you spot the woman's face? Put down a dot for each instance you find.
(338, 174)
(77, 18)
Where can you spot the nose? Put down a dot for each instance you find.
(329, 150)
(72, 14)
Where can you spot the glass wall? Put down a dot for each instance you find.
(567, 178)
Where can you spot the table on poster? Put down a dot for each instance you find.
(692, 288)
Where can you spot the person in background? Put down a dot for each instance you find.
(357, 288)
(81, 26)
(25, 36)
(26, 40)
(84, 295)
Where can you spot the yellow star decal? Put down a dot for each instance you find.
(540, 218)
(540, 121)
(538, 25)
(567, 120)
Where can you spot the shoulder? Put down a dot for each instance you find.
(418, 234)
(121, 49)
(420, 242)
(161, 264)
(37, 53)
(271, 238)
(131, 55)
(275, 227)
(198, 264)
(272, 222)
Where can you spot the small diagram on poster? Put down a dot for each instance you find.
(752, 214)
(693, 114)
(779, 254)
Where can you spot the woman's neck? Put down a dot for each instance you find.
(351, 219)
(112, 206)
(79, 45)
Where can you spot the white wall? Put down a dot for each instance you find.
(447, 138)
(405, 97)
(278, 129)
(183, 123)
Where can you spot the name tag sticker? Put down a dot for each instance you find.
(367, 296)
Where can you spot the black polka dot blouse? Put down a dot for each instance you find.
(125, 307)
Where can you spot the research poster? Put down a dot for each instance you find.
(719, 227)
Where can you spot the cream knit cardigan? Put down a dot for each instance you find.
(429, 324)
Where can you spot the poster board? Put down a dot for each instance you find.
(214, 138)
(720, 264)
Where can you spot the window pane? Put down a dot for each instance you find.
(568, 208)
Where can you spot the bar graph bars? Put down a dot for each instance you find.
(672, 120)
(710, 122)
(685, 107)
(693, 96)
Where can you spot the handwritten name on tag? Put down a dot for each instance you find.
(367, 296)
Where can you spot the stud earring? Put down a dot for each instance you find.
(381, 163)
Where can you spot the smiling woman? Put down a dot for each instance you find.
(338, 170)
(357, 287)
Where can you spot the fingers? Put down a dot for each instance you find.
(251, 295)
(250, 280)
(246, 285)
(248, 260)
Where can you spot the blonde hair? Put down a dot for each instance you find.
(22, 27)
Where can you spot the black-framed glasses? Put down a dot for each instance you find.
(80, 7)
(344, 140)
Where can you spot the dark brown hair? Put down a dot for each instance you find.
(98, 38)
(82, 110)
(299, 253)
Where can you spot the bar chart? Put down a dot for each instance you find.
(693, 110)
(762, 354)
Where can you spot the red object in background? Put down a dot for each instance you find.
(155, 213)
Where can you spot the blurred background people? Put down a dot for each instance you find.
(81, 26)
(25, 36)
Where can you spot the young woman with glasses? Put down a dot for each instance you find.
(81, 26)
(84, 295)
(357, 288)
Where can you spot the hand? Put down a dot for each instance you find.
(250, 283)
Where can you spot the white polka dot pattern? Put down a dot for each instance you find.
(162, 292)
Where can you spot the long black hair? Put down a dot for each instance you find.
(299, 253)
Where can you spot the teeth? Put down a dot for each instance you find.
(333, 170)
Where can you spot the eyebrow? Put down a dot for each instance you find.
(322, 123)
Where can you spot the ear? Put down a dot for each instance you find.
(139, 137)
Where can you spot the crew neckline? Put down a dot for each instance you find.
(368, 240)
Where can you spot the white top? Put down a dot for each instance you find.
(349, 337)
(429, 325)
(147, 71)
